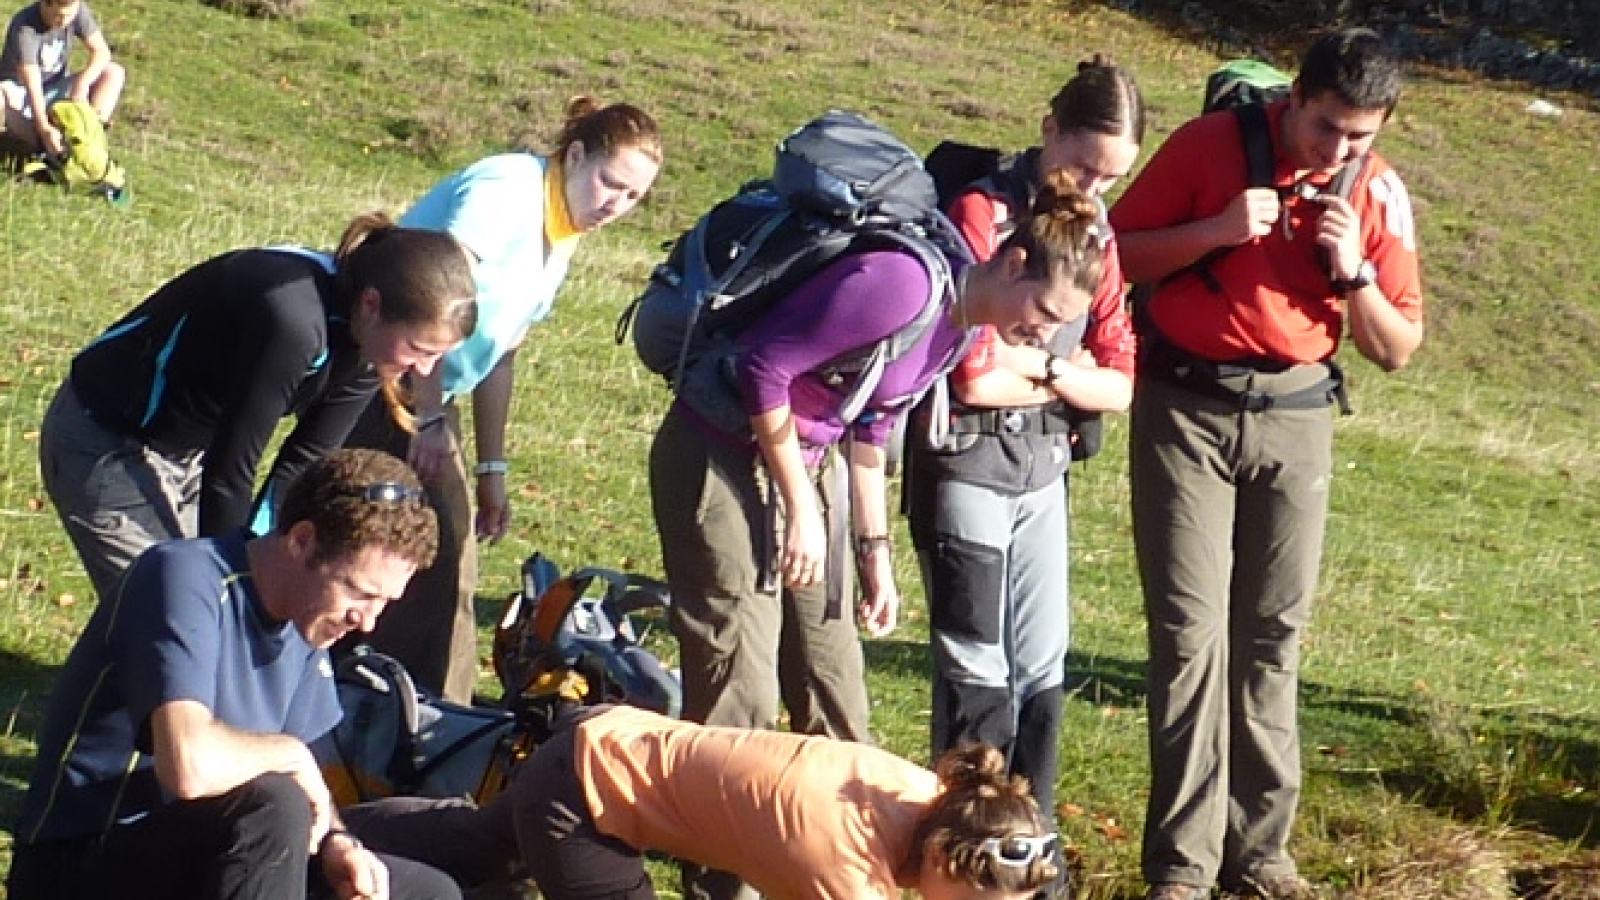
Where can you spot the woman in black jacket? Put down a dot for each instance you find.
(158, 430)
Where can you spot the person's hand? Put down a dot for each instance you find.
(493, 521)
(1026, 360)
(880, 603)
(1339, 232)
(1249, 215)
(52, 141)
(353, 871)
(431, 450)
(805, 548)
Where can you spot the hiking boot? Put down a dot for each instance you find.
(1171, 890)
(1279, 887)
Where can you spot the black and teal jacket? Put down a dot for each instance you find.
(217, 357)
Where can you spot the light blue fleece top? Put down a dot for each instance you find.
(496, 208)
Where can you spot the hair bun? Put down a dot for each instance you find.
(1098, 61)
(1059, 196)
(581, 106)
(976, 767)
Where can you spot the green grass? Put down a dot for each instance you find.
(1450, 683)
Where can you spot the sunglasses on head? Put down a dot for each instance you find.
(388, 492)
(1018, 849)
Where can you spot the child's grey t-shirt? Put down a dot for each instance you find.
(28, 39)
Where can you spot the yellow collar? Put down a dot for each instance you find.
(558, 227)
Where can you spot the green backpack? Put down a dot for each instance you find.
(1241, 82)
(86, 167)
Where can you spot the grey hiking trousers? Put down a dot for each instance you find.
(1229, 509)
(115, 494)
(742, 647)
(996, 572)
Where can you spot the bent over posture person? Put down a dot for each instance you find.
(798, 817)
(988, 507)
(1231, 446)
(158, 431)
(522, 216)
(744, 643)
(173, 761)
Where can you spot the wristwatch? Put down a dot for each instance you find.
(1051, 373)
(1366, 274)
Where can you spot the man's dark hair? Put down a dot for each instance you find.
(1357, 65)
(358, 499)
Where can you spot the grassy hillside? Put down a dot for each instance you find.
(1452, 717)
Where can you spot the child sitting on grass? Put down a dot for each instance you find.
(34, 72)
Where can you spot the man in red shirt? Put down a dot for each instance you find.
(1232, 434)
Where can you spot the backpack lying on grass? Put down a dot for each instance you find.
(562, 641)
(575, 637)
(395, 740)
(86, 166)
(841, 184)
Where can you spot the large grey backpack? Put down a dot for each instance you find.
(840, 184)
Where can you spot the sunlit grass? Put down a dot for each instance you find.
(1450, 686)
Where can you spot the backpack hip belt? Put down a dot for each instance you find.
(1048, 420)
(1252, 386)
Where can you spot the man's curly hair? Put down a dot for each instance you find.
(331, 495)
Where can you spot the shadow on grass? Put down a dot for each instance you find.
(1279, 32)
(24, 683)
(898, 658)
(1531, 770)
(24, 686)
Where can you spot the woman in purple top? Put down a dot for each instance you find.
(743, 642)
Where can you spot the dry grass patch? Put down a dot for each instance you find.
(1455, 865)
(1576, 880)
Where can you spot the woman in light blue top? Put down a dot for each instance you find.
(521, 215)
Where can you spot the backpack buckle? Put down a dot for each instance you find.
(1256, 401)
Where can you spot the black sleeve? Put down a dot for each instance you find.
(326, 424)
(280, 342)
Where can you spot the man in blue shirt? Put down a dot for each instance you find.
(173, 760)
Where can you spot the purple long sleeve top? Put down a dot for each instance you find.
(853, 303)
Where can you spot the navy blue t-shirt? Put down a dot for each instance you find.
(185, 623)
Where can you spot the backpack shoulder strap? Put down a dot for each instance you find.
(1344, 183)
(1260, 165)
(931, 255)
(1255, 132)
